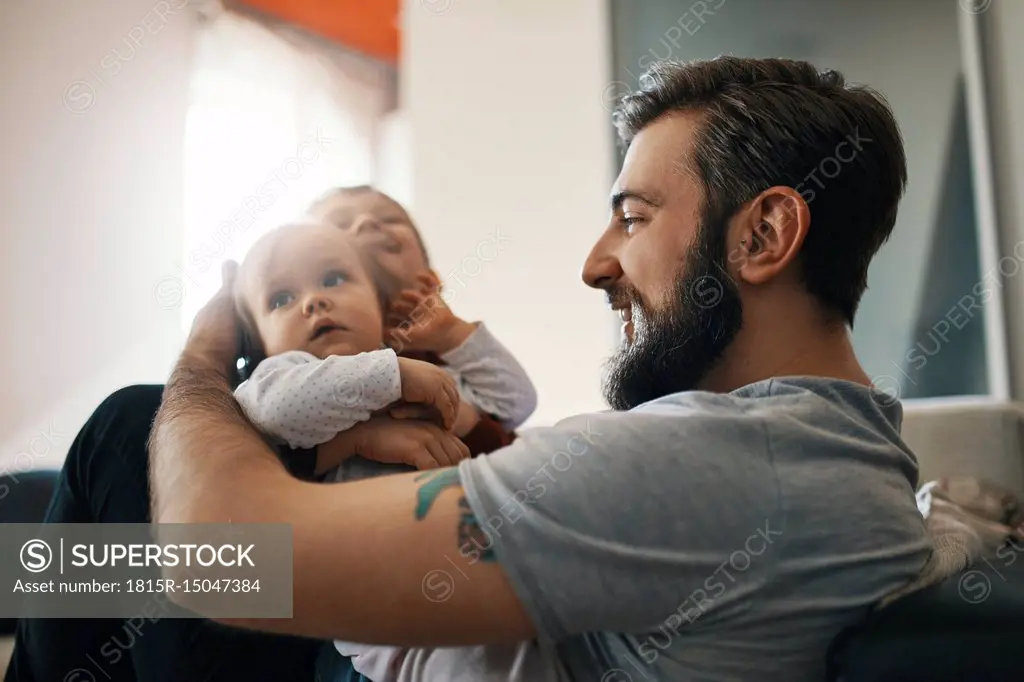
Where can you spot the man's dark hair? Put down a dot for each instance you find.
(768, 122)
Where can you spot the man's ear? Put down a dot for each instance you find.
(770, 234)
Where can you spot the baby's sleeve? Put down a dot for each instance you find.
(304, 401)
(492, 379)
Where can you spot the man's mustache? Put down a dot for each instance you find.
(624, 297)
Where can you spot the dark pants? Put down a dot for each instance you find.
(24, 496)
(105, 480)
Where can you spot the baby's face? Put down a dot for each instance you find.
(308, 290)
(381, 227)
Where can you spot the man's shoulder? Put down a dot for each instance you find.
(686, 449)
(659, 500)
(795, 406)
(729, 446)
(672, 420)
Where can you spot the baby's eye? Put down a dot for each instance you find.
(342, 220)
(280, 300)
(391, 245)
(335, 278)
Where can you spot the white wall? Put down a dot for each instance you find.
(90, 206)
(907, 50)
(504, 110)
(1005, 82)
(509, 133)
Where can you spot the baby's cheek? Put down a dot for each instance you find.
(276, 340)
(271, 347)
(404, 270)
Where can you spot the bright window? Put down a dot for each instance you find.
(272, 124)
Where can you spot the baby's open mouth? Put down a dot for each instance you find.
(326, 327)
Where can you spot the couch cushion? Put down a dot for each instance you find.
(964, 436)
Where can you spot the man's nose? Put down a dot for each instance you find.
(316, 303)
(602, 269)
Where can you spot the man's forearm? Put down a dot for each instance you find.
(361, 551)
(202, 449)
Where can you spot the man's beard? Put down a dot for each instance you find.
(673, 349)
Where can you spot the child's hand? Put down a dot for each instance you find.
(429, 385)
(465, 420)
(419, 444)
(421, 320)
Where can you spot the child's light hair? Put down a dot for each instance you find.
(362, 189)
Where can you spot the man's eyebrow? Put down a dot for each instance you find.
(619, 197)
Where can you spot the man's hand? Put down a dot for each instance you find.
(465, 421)
(392, 441)
(427, 384)
(421, 320)
(213, 339)
(416, 443)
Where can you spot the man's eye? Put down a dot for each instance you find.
(336, 278)
(629, 223)
(280, 300)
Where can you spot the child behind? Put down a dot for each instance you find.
(491, 379)
(307, 297)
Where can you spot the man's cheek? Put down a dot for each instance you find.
(655, 300)
(644, 276)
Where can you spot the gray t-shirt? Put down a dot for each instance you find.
(705, 536)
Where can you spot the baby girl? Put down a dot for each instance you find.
(310, 302)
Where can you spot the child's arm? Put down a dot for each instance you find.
(302, 400)
(492, 379)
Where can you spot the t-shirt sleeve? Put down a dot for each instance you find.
(625, 522)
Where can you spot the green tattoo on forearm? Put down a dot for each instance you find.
(474, 541)
(470, 533)
(437, 482)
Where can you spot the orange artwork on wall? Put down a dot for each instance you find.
(367, 26)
